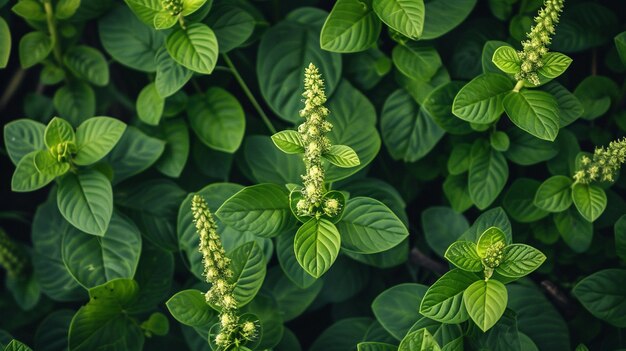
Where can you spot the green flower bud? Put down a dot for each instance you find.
(604, 164)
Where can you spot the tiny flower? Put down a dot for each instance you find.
(603, 165)
(494, 255)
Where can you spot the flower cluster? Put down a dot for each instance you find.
(603, 165)
(174, 7)
(313, 132)
(64, 151)
(494, 255)
(536, 46)
(12, 256)
(217, 272)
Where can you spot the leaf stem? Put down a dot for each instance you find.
(248, 93)
(52, 28)
(518, 86)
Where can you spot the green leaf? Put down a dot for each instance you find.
(58, 131)
(289, 264)
(620, 44)
(164, 20)
(488, 238)
(583, 26)
(416, 61)
(570, 108)
(51, 334)
(534, 111)
(459, 160)
(232, 25)
(520, 260)
(103, 319)
(408, 132)
(602, 294)
(134, 153)
(289, 142)
(34, 48)
(443, 16)
(443, 301)
(480, 100)
(419, 340)
(5, 43)
(620, 237)
(87, 63)
(75, 102)
(527, 150)
(96, 137)
(189, 307)
(317, 245)
(554, 194)
(456, 190)
(174, 158)
(150, 105)
(156, 324)
(66, 8)
(507, 60)
(576, 231)
(170, 76)
(464, 255)
(404, 16)
(438, 106)
(292, 300)
(93, 261)
(47, 164)
(397, 308)
(191, 6)
(488, 174)
(485, 302)
(85, 199)
(596, 94)
(375, 346)
(499, 141)
(286, 49)
(342, 156)
(519, 201)
(26, 176)
(554, 64)
(195, 48)
(442, 226)
(351, 26)
(22, 137)
(129, 41)
(590, 200)
(248, 267)
(30, 10)
(267, 164)
(368, 226)
(342, 335)
(218, 119)
(15, 345)
(145, 9)
(261, 210)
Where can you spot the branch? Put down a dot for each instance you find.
(563, 302)
(420, 259)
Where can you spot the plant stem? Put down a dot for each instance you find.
(52, 28)
(248, 93)
(419, 258)
(518, 86)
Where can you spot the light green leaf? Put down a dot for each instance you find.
(58, 131)
(145, 9)
(603, 294)
(507, 60)
(554, 64)
(408, 132)
(576, 231)
(416, 61)
(189, 307)
(96, 137)
(48, 164)
(419, 340)
(30, 10)
(23, 136)
(352, 26)
(195, 48)
(261, 210)
(404, 16)
(368, 226)
(249, 267)
(554, 194)
(92, 260)
(66, 8)
(85, 199)
(150, 105)
(590, 200)
(87, 63)
(485, 302)
(191, 6)
(5, 43)
(443, 301)
(534, 111)
(289, 142)
(34, 48)
(164, 20)
(232, 25)
(75, 102)
(488, 174)
(26, 176)
(317, 245)
(218, 119)
(480, 100)
(16, 345)
(104, 320)
(170, 76)
(129, 41)
(520, 260)
(488, 238)
(342, 156)
(464, 255)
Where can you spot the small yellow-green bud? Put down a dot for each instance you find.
(494, 255)
(603, 165)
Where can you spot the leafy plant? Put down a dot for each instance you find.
(369, 175)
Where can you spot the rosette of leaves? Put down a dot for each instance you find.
(475, 288)
(57, 151)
